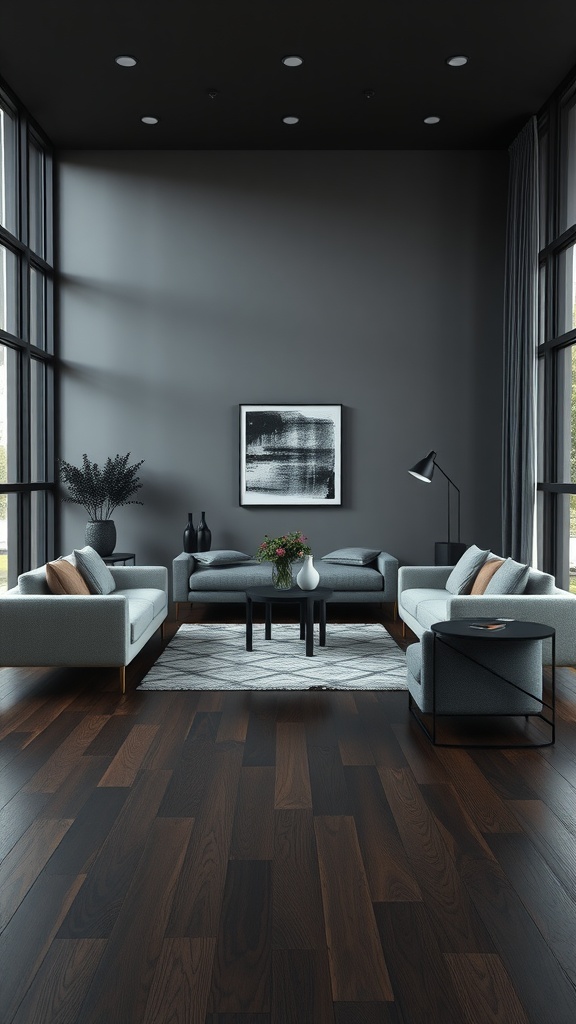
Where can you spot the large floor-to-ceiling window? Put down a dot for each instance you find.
(26, 344)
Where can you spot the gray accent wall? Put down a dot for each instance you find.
(192, 282)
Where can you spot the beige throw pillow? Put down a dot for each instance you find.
(63, 578)
(485, 575)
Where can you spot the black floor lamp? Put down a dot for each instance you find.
(445, 552)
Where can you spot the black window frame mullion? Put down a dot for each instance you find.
(553, 344)
(18, 243)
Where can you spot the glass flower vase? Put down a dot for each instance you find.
(282, 575)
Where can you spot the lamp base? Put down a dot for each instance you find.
(448, 553)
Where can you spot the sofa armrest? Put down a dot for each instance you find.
(388, 566)
(554, 610)
(64, 630)
(182, 568)
(128, 576)
(411, 577)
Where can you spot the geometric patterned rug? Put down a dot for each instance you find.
(214, 657)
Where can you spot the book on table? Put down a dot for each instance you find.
(491, 625)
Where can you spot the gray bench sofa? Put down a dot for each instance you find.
(376, 582)
(75, 630)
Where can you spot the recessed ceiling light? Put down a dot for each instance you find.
(431, 120)
(457, 62)
(292, 62)
(126, 62)
(149, 120)
(290, 120)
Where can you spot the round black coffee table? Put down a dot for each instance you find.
(306, 599)
(506, 630)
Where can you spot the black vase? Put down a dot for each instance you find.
(189, 538)
(203, 535)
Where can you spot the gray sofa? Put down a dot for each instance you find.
(423, 600)
(376, 582)
(41, 628)
(467, 676)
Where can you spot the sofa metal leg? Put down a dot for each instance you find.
(123, 679)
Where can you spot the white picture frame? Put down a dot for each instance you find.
(291, 455)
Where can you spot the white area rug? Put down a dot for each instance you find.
(214, 657)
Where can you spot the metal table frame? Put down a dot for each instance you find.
(545, 633)
(118, 557)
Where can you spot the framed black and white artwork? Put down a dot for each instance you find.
(290, 455)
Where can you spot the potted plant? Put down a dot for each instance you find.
(100, 490)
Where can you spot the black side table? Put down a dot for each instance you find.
(448, 553)
(120, 556)
(306, 599)
(467, 629)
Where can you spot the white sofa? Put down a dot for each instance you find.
(423, 600)
(41, 628)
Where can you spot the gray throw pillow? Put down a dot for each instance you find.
(464, 572)
(351, 556)
(96, 573)
(221, 557)
(511, 578)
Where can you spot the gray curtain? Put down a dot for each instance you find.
(520, 341)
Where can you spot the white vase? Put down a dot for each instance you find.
(308, 578)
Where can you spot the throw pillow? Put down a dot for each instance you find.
(466, 569)
(351, 556)
(511, 578)
(63, 578)
(485, 575)
(96, 573)
(222, 557)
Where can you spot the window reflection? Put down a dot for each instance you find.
(566, 416)
(568, 164)
(8, 203)
(8, 415)
(3, 542)
(567, 290)
(36, 199)
(566, 542)
(37, 421)
(37, 308)
(8, 291)
(566, 468)
(38, 522)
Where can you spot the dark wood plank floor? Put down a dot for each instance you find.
(276, 858)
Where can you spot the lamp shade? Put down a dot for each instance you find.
(424, 470)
